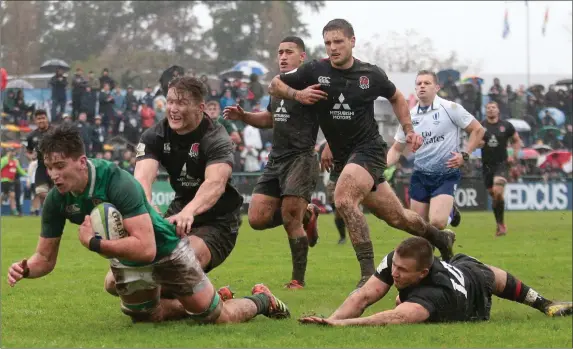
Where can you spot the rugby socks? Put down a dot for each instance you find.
(519, 292)
(339, 222)
(262, 302)
(365, 255)
(498, 210)
(299, 253)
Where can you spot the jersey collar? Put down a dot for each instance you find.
(435, 105)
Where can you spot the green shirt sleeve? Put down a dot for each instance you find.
(53, 219)
(3, 161)
(227, 124)
(20, 169)
(126, 194)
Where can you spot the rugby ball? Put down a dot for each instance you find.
(107, 222)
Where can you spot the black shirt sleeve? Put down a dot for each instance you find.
(433, 299)
(269, 106)
(301, 78)
(384, 86)
(384, 270)
(149, 146)
(219, 147)
(509, 129)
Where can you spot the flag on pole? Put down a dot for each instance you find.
(505, 25)
(545, 20)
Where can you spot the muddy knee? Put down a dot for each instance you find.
(258, 221)
(109, 284)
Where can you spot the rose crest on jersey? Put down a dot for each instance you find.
(364, 82)
(502, 128)
(194, 151)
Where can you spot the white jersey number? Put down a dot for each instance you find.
(459, 283)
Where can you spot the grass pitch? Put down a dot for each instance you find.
(69, 307)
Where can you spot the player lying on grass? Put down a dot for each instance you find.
(431, 290)
(151, 255)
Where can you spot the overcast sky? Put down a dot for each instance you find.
(473, 29)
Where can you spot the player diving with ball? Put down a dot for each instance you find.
(149, 258)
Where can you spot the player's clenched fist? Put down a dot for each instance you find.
(310, 95)
(17, 272)
(415, 140)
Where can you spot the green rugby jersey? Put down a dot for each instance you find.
(106, 183)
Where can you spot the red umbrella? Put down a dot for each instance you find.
(528, 153)
(556, 158)
(3, 79)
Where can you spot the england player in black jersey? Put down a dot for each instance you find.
(430, 290)
(283, 192)
(198, 156)
(42, 182)
(342, 91)
(498, 133)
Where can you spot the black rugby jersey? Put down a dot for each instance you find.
(347, 116)
(496, 139)
(185, 158)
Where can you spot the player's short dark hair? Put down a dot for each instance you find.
(429, 72)
(64, 139)
(191, 85)
(339, 24)
(295, 40)
(39, 112)
(418, 249)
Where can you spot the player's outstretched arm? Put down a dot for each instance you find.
(216, 177)
(40, 264)
(146, 172)
(263, 119)
(516, 144)
(353, 307)
(405, 313)
(395, 152)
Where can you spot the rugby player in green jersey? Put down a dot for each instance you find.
(151, 257)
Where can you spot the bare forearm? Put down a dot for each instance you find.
(279, 89)
(207, 196)
(129, 248)
(393, 156)
(39, 266)
(146, 184)
(353, 307)
(263, 119)
(388, 317)
(474, 140)
(400, 107)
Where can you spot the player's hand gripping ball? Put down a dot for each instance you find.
(107, 222)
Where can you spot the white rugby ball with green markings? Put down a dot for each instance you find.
(107, 222)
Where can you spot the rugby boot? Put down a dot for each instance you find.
(456, 217)
(555, 309)
(295, 285)
(446, 247)
(501, 230)
(277, 309)
(226, 293)
(341, 241)
(311, 227)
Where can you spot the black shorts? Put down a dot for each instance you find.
(482, 280)
(370, 156)
(219, 234)
(42, 179)
(7, 187)
(494, 170)
(293, 176)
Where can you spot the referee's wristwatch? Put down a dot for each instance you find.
(465, 156)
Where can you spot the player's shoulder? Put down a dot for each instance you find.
(103, 168)
(367, 67)
(214, 132)
(447, 104)
(386, 262)
(157, 131)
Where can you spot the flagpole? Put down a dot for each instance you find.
(527, 55)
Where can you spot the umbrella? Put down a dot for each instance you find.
(250, 67)
(19, 83)
(528, 154)
(541, 133)
(472, 79)
(476, 154)
(520, 125)
(565, 82)
(51, 65)
(166, 76)
(443, 75)
(556, 158)
(544, 147)
(555, 113)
